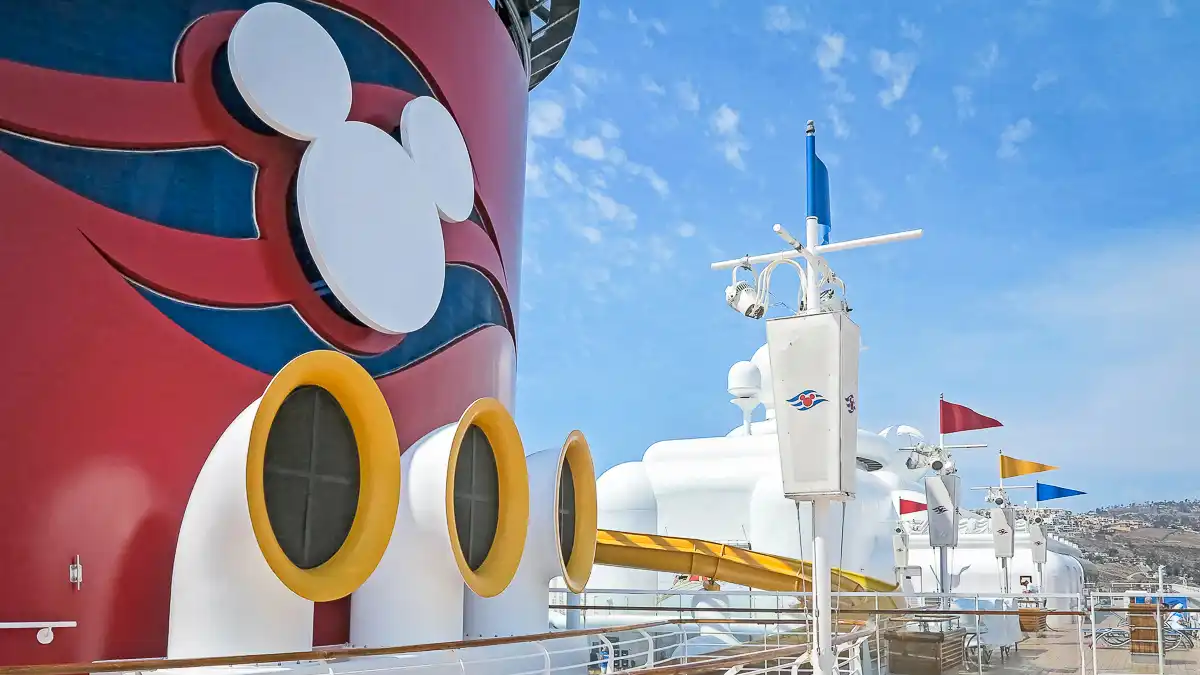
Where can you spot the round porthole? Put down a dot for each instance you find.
(323, 475)
(476, 497)
(310, 476)
(576, 517)
(487, 497)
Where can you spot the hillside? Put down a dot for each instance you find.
(1128, 542)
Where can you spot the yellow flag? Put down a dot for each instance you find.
(1011, 467)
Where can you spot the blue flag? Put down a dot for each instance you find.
(1046, 492)
(818, 188)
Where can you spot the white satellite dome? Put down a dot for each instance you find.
(745, 380)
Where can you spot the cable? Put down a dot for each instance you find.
(764, 280)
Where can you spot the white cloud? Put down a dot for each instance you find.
(1169, 8)
(938, 154)
(689, 98)
(546, 118)
(648, 84)
(910, 31)
(647, 26)
(587, 76)
(595, 149)
(725, 122)
(590, 233)
(897, 69)
(535, 175)
(686, 230)
(914, 124)
(963, 102)
(840, 128)
(564, 173)
(591, 147)
(1013, 136)
(779, 19)
(990, 57)
(610, 209)
(1044, 79)
(830, 51)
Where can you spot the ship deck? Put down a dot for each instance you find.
(1057, 653)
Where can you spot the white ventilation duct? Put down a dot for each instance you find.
(562, 495)
(415, 595)
(234, 589)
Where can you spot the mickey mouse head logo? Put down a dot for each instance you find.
(370, 208)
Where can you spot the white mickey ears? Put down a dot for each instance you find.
(369, 207)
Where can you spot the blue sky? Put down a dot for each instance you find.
(1048, 149)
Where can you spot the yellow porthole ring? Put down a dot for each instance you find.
(379, 475)
(500, 565)
(578, 456)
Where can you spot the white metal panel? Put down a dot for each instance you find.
(814, 366)
(941, 497)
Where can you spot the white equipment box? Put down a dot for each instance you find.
(814, 365)
(941, 498)
(1037, 539)
(1003, 537)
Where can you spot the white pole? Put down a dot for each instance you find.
(812, 294)
(822, 572)
(943, 552)
(822, 582)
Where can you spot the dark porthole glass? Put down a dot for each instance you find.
(566, 511)
(310, 476)
(476, 497)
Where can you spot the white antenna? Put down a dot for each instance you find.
(817, 435)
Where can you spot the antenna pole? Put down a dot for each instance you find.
(944, 585)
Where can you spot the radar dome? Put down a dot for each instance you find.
(745, 380)
(762, 359)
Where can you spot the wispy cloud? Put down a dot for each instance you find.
(830, 52)
(725, 122)
(1169, 8)
(897, 70)
(546, 118)
(779, 19)
(989, 58)
(649, 27)
(938, 154)
(591, 148)
(910, 31)
(686, 230)
(964, 102)
(1044, 79)
(689, 98)
(1013, 136)
(914, 124)
(840, 128)
(650, 85)
(603, 148)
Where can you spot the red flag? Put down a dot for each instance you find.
(909, 506)
(956, 418)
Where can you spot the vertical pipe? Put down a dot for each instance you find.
(943, 554)
(979, 638)
(574, 620)
(1092, 611)
(812, 294)
(1079, 622)
(822, 582)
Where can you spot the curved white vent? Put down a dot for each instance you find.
(868, 464)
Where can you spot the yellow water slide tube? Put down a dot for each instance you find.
(722, 562)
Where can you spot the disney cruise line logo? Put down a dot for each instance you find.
(806, 400)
